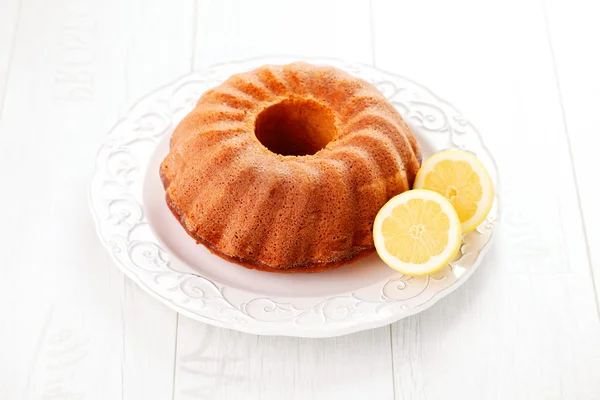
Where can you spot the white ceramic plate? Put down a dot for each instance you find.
(149, 245)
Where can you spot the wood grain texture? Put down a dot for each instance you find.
(525, 325)
(9, 21)
(62, 335)
(574, 33)
(157, 50)
(235, 30)
(215, 363)
(79, 329)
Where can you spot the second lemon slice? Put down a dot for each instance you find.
(461, 178)
(417, 232)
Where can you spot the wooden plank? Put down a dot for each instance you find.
(159, 46)
(158, 50)
(574, 30)
(61, 329)
(216, 363)
(78, 328)
(9, 17)
(526, 324)
(231, 31)
(222, 364)
(9, 20)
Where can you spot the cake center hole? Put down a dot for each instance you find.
(295, 127)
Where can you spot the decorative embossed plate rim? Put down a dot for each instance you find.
(116, 201)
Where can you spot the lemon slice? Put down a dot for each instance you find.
(417, 232)
(462, 179)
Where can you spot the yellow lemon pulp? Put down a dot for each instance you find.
(417, 232)
(463, 180)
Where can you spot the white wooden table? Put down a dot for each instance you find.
(525, 326)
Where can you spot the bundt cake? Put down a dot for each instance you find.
(285, 167)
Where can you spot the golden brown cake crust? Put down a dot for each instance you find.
(286, 212)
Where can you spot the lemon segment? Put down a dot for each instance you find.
(417, 232)
(463, 180)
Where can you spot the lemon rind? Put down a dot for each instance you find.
(436, 263)
(487, 200)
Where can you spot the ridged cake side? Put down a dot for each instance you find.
(287, 213)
